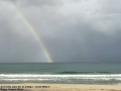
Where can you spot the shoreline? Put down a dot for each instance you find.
(59, 87)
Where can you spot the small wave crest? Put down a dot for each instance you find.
(74, 72)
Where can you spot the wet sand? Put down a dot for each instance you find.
(58, 87)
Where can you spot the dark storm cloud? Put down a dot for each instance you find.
(73, 30)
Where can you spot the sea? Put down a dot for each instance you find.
(64, 73)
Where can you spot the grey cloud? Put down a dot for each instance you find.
(17, 44)
(36, 3)
(81, 30)
(112, 6)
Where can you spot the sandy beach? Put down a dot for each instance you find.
(59, 87)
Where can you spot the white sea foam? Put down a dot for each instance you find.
(60, 77)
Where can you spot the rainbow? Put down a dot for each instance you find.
(35, 34)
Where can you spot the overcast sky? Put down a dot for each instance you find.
(71, 30)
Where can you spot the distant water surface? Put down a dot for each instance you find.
(71, 73)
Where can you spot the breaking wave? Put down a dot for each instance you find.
(62, 78)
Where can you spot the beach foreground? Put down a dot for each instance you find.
(59, 87)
